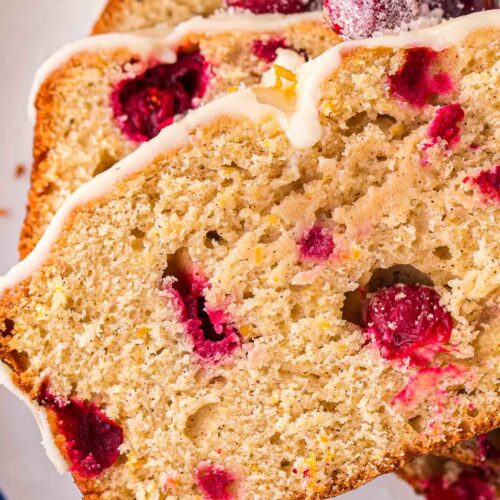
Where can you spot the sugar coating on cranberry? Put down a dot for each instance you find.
(215, 482)
(414, 82)
(92, 440)
(488, 182)
(269, 6)
(445, 125)
(149, 102)
(407, 322)
(455, 8)
(212, 336)
(362, 18)
(316, 244)
(267, 50)
(470, 485)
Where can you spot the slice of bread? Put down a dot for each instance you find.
(132, 15)
(440, 478)
(280, 296)
(93, 106)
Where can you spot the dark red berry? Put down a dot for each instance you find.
(414, 82)
(470, 485)
(269, 6)
(362, 18)
(146, 104)
(488, 182)
(317, 244)
(407, 322)
(92, 440)
(457, 8)
(487, 449)
(445, 126)
(215, 482)
(267, 49)
(213, 338)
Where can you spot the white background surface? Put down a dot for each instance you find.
(30, 30)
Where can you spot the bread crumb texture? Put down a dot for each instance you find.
(215, 241)
(79, 133)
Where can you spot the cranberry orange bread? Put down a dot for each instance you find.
(446, 479)
(280, 296)
(132, 15)
(102, 97)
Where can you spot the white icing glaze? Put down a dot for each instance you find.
(40, 417)
(302, 127)
(149, 45)
(286, 58)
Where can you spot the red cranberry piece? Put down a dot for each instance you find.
(92, 440)
(212, 336)
(469, 486)
(146, 104)
(363, 18)
(457, 8)
(317, 244)
(488, 182)
(267, 49)
(407, 321)
(269, 6)
(414, 82)
(445, 124)
(487, 450)
(215, 482)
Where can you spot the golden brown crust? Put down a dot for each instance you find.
(130, 15)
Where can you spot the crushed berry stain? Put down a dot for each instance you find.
(317, 244)
(407, 322)
(267, 50)
(213, 338)
(414, 82)
(270, 6)
(151, 101)
(215, 482)
(488, 182)
(428, 383)
(472, 484)
(92, 440)
(445, 126)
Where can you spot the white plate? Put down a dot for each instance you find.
(29, 32)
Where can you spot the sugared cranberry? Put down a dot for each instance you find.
(362, 18)
(146, 104)
(317, 244)
(267, 49)
(92, 440)
(457, 8)
(445, 125)
(468, 486)
(213, 338)
(488, 182)
(215, 482)
(269, 6)
(414, 82)
(407, 322)
(487, 450)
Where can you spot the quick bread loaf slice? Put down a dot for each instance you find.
(440, 478)
(97, 100)
(132, 15)
(282, 295)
